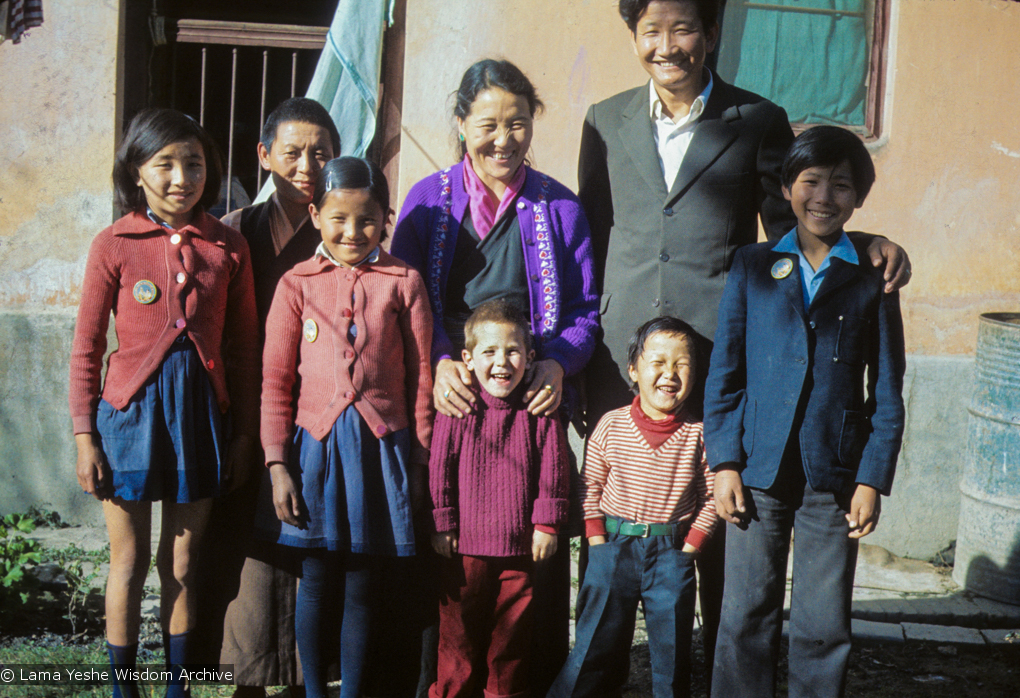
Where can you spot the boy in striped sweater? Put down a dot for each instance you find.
(648, 509)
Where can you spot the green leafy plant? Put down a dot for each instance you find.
(81, 572)
(16, 553)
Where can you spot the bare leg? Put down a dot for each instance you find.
(129, 526)
(183, 525)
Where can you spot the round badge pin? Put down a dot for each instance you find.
(311, 330)
(145, 292)
(782, 268)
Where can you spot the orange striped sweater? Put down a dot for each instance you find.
(624, 477)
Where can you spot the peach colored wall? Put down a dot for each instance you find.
(948, 167)
(57, 118)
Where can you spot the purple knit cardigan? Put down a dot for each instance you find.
(496, 473)
(557, 258)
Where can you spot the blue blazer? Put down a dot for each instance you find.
(773, 360)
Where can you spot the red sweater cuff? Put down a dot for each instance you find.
(551, 530)
(697, 538)
(594, 527)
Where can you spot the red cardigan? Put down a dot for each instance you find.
(203, 287)
(386, 374)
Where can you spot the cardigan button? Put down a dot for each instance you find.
(381, 430)
(521, 205)
(349, 395)
(349, 354)
(181, 277)
(210, 364)
(529, 241)
(534, 277)
(346, 312)
(538, 316)
(180, 324)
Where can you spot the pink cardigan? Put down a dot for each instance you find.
(199, 280)
(386, 373)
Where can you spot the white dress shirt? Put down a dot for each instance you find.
(672, 138)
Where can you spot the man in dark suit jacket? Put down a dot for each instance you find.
(664, 237)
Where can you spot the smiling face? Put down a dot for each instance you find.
(497, 134)
(499, 358)
(671, 44)
(823, 199)
(298, 154)
(173, 181)
(351, 222)
(664, 373)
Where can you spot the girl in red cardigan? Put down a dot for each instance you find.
(346, 415)
(179, 284)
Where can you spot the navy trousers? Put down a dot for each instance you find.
(622, 573)
(824, 559)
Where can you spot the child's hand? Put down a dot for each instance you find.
(445, 543)
(543, 545)
(286, 499)
(730, 500)
(91, 466)
(864, 510)
(596, 540)
(690, 550)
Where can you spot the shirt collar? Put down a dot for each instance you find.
(697, 107)
(843, 249)
(323, 251)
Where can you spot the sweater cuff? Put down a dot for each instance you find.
(550, 511)
(445, 519)
(276, 453)
(551, 530)
(697, 538)
(84, 424)
(595, 527)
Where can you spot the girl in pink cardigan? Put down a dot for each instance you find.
(346, 415)
(179, 284)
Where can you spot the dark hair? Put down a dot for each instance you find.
(353, 173)
(500, 311)
(668, 325)
(489, 73)
(631, 11)
(828, 146)
(148, 133)
(305, 111)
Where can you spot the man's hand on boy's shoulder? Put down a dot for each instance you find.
(865, 507)
(731, 502)
(894, 258)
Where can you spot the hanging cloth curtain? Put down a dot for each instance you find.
(810, 59)
(21, 16)
(346, 79)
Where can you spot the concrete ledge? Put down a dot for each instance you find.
(942, 633)
(1002, 637)
(878, 632)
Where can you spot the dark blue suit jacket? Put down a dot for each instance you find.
(779, 370)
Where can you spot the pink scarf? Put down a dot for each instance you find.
(484, 213)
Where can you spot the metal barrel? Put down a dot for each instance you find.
(988, 538)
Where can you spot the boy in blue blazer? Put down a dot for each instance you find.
(790, 433)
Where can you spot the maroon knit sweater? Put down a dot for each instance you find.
(497, 473)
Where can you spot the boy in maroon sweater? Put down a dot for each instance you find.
(499, 487)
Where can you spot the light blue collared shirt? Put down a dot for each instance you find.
(810, 279)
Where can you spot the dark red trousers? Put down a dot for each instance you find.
(484, 627)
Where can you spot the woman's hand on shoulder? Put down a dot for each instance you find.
(91, 466)
(545, 387)
(286, 499)
(451, 390)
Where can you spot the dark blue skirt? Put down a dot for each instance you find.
(169, 443)
(354, 489)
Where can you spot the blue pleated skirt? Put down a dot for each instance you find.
(169, 443)
(355, 491)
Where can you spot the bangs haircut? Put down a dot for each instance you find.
(828, 146)
(667, 325)
(302, 110)
(631, 11)
(500, 312)
(149, 132)
(354, 173)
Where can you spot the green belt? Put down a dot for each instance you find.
(626, 528)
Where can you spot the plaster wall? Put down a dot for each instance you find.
(57, 123)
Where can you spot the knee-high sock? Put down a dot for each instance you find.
(176, 648)
(123, 659)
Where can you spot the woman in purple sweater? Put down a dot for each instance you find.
(492, 227)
